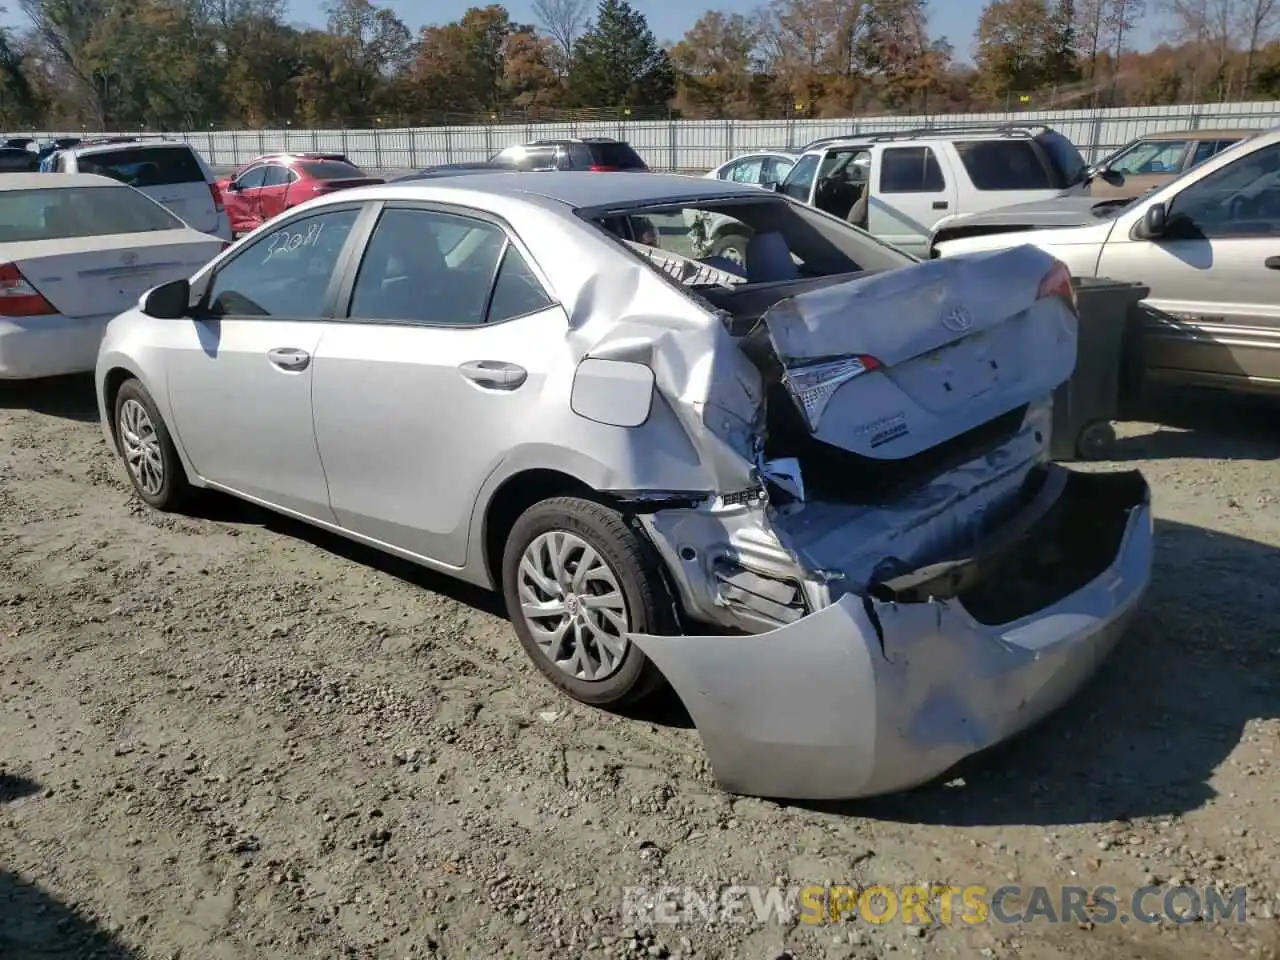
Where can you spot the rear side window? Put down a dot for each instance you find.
(145, 167)
(620, 156)
(331, 170)
(910, 170)
(64, 212)
(1207, 148)
(435, 268)
(1004, 165)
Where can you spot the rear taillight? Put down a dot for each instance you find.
(18, 298)
(601, 168)
(217, 197)
(813, 384)
(1057, 283)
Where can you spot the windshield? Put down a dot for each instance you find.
(719, 242)
(64, 212)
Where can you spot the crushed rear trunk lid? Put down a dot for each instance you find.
(890, 365)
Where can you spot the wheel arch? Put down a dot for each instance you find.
(513, 496)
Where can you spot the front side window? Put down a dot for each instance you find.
(424, 266)
(286, 272)
(776, 169)
(910, 170)
(65, 212)
(1150, 156)
(1004, 165)
(1240, 200)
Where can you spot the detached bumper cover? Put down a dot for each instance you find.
(868, 697)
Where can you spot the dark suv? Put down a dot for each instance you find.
(587, 153)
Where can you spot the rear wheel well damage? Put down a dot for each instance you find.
(521, 491)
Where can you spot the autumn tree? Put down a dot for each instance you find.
(617, 62)
(481, 62)
(1012, 41)
(714, 62)
(895, 53)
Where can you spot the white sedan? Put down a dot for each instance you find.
(75, 250)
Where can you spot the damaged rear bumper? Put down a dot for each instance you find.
(871, 696)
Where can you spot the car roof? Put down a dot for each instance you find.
(88, 148)
(580, 189)
(47, 181)
(1238, 132)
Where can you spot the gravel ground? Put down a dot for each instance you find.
(229, 736)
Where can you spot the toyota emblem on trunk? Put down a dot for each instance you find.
(957, 319)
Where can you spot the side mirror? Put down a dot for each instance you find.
(233, 186)
(771, 185)
(1154, 222)
(1112, 177)
(169, 301)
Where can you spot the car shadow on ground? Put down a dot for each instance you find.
(70, 398)
(1203, 425)
(663, 707)
(1145, 737)
(37, 926)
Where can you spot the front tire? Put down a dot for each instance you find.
(577, 579)
(150, 458)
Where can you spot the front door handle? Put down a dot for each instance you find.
(494, 374)
(289, 358)
(940, 204)
(1272, 263)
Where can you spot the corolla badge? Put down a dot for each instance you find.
(957, 319)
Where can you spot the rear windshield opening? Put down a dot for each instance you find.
(145, 167)
(620, 156)
(723, 246)
(65, 212)
(331, 170)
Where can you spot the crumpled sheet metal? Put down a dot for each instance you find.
(712, 387)
(820, 709)
(898, 314)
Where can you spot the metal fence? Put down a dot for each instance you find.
(700, 144)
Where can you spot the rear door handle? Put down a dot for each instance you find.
(1272, 263)
(289, 358)
(494, 374)
(940, 204)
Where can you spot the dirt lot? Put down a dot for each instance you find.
(227, 736)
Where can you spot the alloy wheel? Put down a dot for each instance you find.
(573, 605)
(141, 447)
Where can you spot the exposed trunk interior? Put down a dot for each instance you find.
(1072, 541)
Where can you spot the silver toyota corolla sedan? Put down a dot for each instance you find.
(809, 489)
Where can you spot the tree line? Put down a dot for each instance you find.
(196, 64)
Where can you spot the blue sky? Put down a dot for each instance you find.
(954, 19)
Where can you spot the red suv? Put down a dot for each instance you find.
(269, 185)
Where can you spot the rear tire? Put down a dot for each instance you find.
(149, 456)
(594, 579)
